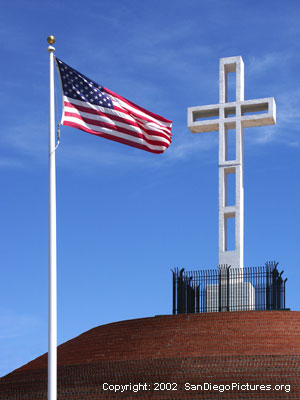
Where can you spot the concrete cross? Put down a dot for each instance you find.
(224, 117)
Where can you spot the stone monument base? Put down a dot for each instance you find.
(235, 296)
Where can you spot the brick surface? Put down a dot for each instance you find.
(167, 352)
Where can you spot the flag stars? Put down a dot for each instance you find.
(79, 87)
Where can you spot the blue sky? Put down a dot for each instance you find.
(126, 217)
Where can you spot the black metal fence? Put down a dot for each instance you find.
(228, 289)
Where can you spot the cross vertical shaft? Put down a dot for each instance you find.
(234, 255)
(226, 117)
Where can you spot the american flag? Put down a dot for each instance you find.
(97, 110)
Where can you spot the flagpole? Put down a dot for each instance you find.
(52, 293)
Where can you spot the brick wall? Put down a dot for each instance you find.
(219, 348)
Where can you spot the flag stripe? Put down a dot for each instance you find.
(98, 125)
(140, 111)
(90, 122)
(116, 136)
(117, 111)
(117, 120)
(136, 117)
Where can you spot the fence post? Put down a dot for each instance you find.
(174, 292)
(220, 289)
(228, 283)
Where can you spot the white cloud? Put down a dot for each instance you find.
(27, 139)
(7, 162)
(270, 63)
(14, 325)
(21, 339)
(187, 145)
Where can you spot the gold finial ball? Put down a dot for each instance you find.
(51, 39)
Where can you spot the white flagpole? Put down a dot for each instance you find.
(52, 301)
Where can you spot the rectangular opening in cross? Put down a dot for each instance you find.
(258, 108)
(230, 144)
(229, 112)
(201, 115)
(230, 82)
(229, 231)
(230, 195)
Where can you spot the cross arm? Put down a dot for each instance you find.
(258, 112)
(203, 118)
(250, 113)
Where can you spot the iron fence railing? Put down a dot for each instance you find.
(228, 289)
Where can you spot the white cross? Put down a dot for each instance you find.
(224, 117)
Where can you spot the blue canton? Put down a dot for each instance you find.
(79, 87)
